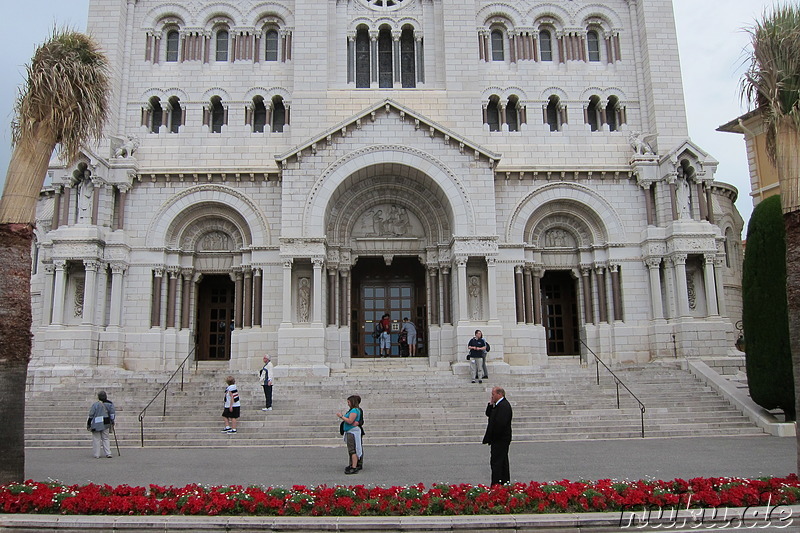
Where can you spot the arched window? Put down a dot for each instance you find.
(362, 58)
(278, 114)
(173, 39)
(385, 75)
(175, 114)
(545, 45)
(408, 71)
(553, 113)
(497, 38)
(217, 114)
(512, 113)
(271, 47)
(493, 113)
(612, 113)
(593, 45)
(222, 45)
(259, 114)
(593, 113)
(156, 114)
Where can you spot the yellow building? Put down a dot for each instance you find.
(763, 174)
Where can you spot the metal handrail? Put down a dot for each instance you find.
(617, 381)
(164, 390)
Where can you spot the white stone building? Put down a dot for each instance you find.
(278, 174)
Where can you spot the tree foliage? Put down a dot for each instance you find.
(764, 317)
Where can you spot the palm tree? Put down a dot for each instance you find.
(772, 84)
(64, 103)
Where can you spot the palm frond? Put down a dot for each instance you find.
(66, 92)
(772, 80)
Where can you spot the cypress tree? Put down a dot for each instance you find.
(765, 317)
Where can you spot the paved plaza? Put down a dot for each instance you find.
(393, 465)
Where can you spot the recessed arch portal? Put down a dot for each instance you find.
(389, 201)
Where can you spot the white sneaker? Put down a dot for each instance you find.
(266, 408)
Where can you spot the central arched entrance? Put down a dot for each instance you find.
(397, 289)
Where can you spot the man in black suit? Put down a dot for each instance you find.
(498, 435)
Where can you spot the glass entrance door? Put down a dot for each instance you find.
(560, 312)
(397, 289)
(215, 318)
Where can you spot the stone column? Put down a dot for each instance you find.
(316, 297)
(587, 295)
(602, 300)
(56, 222)
(95, 204)
(59, 291)
(238, 299)
(346, 289)
(528, 294)
(616, 293)
(491, 276)
(89, 291)
(420, 52)
(537, 295)
(155, 298)
(123, 195)
(672, 192)
(373, 56)
(446, 302)
(65, 198)
(257, 296)
(172, 296)
(719, 263)
(461, 283)
(248, 297)
(287, 291)
(47, 296)
(681, 289)
(518, 294)
(186, 297)
(117, 277)
(655, 286)
(332, 292)
(396, 58)
(433, 296)
(651, 208)
(710, 285)
(351, 58)
(669, 279)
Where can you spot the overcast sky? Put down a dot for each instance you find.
(710, 38)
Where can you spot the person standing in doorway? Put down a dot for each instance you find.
(232, 406)
(477, 357)
(265, 377)
(101, 419)
(386, 338)
(411, 336)
(498, 435)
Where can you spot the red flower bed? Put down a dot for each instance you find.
(358, 500)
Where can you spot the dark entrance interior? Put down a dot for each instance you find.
(214, 318)
(397, 289)
(560, 312)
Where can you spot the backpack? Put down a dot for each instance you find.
(361, 424)
(488, 347)
(378, 329)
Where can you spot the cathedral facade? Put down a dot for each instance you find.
(276, 175)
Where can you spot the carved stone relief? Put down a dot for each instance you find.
(388, 220)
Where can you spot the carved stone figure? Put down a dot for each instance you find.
(641, 143)
(128, 146)
(682, 199)
(557, 238)
(85, 200)
(303, 300)
(474, 298)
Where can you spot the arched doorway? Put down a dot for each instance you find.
(215, 314)
(397, 289)
(560, 313)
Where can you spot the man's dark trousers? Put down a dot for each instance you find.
(499, 461)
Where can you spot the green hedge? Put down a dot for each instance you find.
(765, 317)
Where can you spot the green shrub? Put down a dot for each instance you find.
(765, 317)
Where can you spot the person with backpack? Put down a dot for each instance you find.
(232, 406)
(265, 378)
(101, 418)
(351, 429)
(385, 339)
(477, 357)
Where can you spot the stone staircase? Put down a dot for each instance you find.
(404, 403)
